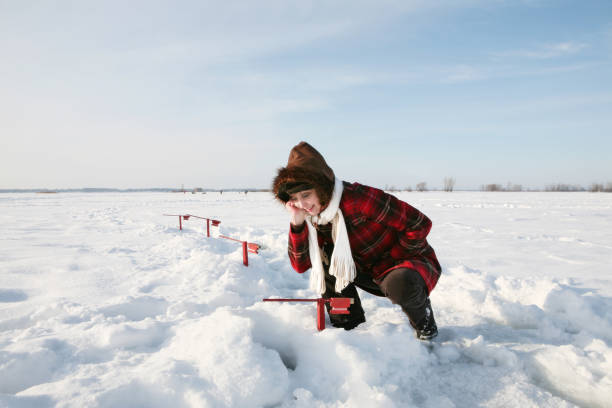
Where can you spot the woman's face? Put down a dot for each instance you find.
(307, 200)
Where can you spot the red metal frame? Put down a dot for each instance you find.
(185, 217)
(338, 306)
(246, 248)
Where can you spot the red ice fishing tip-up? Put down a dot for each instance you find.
(185, 217)
(246, 248)
(338, 306)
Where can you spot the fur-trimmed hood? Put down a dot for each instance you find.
(305, 167)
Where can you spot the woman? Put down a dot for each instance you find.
(353, 235)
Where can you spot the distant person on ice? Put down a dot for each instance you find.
(355, 235)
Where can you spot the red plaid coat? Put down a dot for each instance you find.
(385, 233)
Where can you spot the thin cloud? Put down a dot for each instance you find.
(270, 108)
(462, 73)
(546, 51)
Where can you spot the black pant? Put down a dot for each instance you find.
(403, 286)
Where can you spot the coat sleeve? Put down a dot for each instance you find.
(411, 225)
(298, 248)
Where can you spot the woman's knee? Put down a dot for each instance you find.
(404, 286)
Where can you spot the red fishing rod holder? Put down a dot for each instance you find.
(247, 247)
(185, 217)
(337, 306)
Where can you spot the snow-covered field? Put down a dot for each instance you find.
(105, 303)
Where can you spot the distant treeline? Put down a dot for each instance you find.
(449, 185)
(131, 190)
(560, 187)
(85, 190)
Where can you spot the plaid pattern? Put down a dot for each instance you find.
(385, 233)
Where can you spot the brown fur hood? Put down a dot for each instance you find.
(306, 166)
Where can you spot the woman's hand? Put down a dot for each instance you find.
(298, 215)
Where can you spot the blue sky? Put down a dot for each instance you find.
(214, 94)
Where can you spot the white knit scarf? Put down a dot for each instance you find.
(342, 265)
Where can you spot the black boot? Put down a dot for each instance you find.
(406, 287)
(346, 321)
(426, 328)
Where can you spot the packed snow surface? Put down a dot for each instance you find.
(104, 302)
